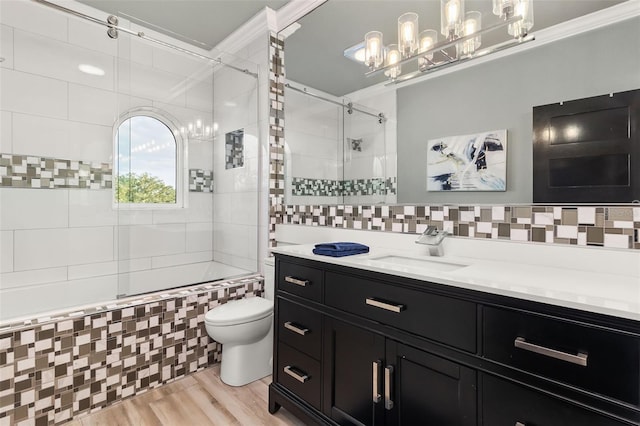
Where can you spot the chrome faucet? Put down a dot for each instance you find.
(433, 238)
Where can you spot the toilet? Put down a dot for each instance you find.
(245, 329)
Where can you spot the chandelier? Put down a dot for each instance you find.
(461, 39)
(198, 131)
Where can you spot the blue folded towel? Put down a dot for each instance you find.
(340, 249)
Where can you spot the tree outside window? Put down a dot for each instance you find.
(147, 162)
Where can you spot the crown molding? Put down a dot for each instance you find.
(255, 27)
(294, 10)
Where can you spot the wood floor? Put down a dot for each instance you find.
(200, 399)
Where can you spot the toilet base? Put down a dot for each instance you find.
(243, 364)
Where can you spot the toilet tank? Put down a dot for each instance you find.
(269, 272)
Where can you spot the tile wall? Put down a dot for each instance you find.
(69, 242)
(56, 369)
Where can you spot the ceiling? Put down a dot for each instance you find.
(204, 23)
(314, 53)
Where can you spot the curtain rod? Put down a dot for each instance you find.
(349, 106)
(108, 23)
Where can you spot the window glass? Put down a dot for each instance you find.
(147, 162)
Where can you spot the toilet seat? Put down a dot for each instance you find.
(239, 311)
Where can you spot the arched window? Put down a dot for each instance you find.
(148, 156)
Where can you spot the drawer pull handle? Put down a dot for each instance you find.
(299, 377)
(580, 359)
(377, 366)
(296, 281)
(291, 326)
(393, 307)
(520, 424)
(388, 387)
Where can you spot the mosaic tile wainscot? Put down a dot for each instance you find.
(53, 370)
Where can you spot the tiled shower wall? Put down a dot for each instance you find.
(53, 370)
(62, 242)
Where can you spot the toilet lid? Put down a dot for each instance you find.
(239, 311)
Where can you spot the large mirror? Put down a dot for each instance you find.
(495, 93)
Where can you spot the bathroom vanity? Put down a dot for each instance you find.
(390, 339)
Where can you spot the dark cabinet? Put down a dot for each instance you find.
(355, 347)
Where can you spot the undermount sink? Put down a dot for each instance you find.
(391, 261)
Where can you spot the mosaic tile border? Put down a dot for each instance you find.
(63, 368)
(614, 227)
(28, 171)
(200, 180)
(342, 188)
(276, 134)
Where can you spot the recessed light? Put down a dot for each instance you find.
(90, 69)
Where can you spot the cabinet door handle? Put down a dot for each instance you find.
(580, 359)
(377, 365)
(299, 377)
(296, 281)
(290, 326)
(520, 424)
(393, 307)
(388, 387)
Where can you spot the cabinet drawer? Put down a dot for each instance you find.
(447, 320)
(300, 280)
(508, 404)
(299, 373)
(602, 361)
(299, 327)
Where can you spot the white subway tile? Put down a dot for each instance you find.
(199, 237)
(150, 83)
(132, 265)
(201, 156)
(32, 277)
(41, 136)
(32, 94)
(44, 56)
(199, 94)
(169, 216)
(92, 270)
(6, 252)
(175, 62)
(6, 132)
(200, 207)
(42, 248)
(181, 259)
(34, 17)
(90, 36)
(134, 217)
(90, 142)
(6, 46)
(33, 208)
(57, 296)
(91, 105)
(150, 240)
(90, 245)
(244, 208)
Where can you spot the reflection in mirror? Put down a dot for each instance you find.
(491, 94)
(336, 151)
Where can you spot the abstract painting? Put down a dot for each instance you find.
(476, 162)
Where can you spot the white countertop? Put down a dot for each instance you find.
(610, 294)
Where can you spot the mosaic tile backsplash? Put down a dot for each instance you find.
(27, 171)
(31, 171)
(615, 227)
(56, 369)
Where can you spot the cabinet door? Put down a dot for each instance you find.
(429, 390)
(350, 354)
